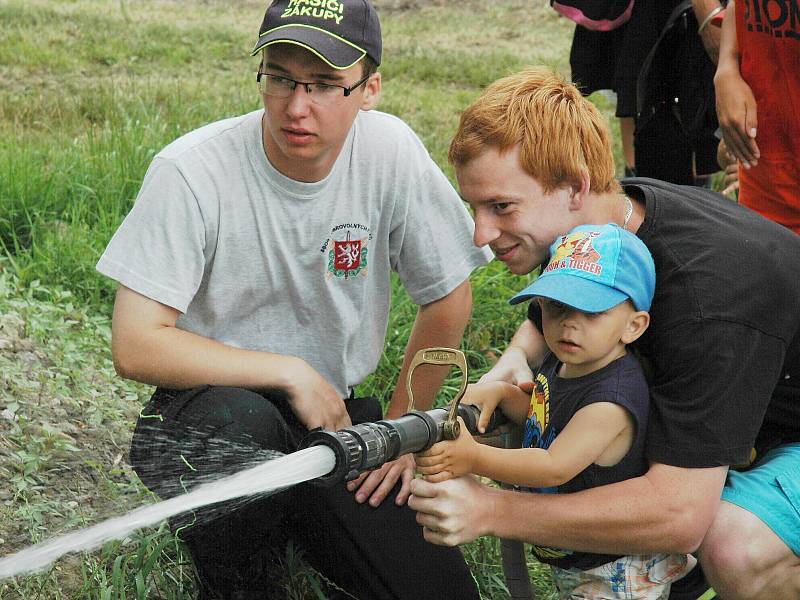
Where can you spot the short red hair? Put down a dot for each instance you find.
(559, 132)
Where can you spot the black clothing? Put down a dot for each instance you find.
(673, 141)
(185, 438)
(676, 118)
(597, 62)
(611, 60)
(620, 382)
(725, 327)
(724, 335)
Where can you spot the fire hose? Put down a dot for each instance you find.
(367, 446)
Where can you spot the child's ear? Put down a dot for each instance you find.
(637, 324)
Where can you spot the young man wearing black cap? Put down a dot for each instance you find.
(254, 274)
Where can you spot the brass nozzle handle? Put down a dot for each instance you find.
(441, 356)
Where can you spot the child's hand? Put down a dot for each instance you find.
(447, 460)
(489, 395)
(485, 396)
(731, 180)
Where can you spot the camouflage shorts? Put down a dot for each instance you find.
(642, 577)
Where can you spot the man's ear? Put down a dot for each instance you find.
(372, 92)
(580, 190)
(638, 323)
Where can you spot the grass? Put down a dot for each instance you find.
(91, 90)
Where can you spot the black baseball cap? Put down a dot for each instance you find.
(340, 32)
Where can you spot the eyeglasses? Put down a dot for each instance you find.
(323, 94)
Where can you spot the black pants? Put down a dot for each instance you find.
(664, 152)
(184, 438)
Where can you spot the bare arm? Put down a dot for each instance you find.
(590, 434)
(736, 105)
(710, 34)
(440, 323)
(668, 509)
(526, 349)
(148, 347)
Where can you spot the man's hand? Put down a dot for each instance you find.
(452, 512)
(376, 485)
(314, 401)
(449, 459)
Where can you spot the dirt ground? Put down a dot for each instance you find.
(65, 419)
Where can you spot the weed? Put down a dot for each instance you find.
(90, 94)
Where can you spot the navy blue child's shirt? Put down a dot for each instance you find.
(553, 403)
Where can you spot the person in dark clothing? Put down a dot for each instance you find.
(611, 60)
(674, 63)
(665, 105)
(723, 346)
(586, 420)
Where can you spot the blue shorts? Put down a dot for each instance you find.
(771, 491)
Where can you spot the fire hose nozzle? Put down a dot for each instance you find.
(367, 446)
(441, 356)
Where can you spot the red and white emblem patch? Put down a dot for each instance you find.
(346, 255)
(347, 251)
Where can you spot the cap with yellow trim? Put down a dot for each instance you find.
(340, 32)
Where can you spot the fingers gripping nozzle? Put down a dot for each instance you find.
(369, 445)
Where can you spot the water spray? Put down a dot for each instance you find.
(264, 478)
(324, 457)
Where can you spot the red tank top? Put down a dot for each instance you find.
(768, 35)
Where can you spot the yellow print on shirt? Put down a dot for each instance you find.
(540, 401)
(538, 413)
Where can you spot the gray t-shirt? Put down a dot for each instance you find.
(256, 260)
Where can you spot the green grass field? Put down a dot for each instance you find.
(91, 90)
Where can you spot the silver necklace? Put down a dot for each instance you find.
(628, 213)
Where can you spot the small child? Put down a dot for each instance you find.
(586, 420)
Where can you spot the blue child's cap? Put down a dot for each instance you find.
(595, 267)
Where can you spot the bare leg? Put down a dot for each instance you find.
(744, 559)
(626, 127)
